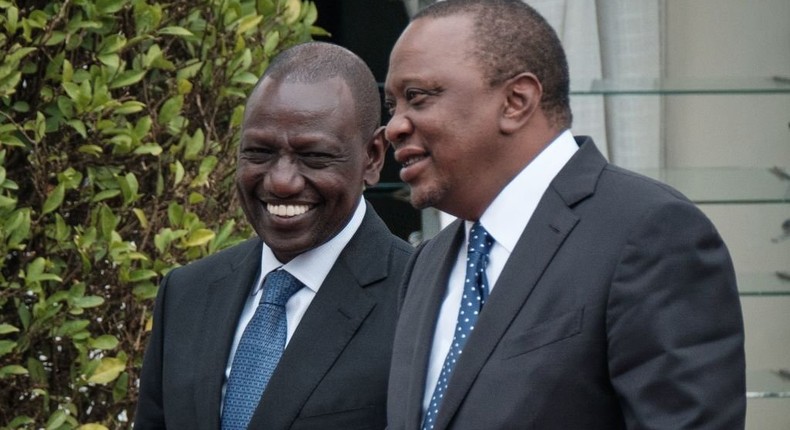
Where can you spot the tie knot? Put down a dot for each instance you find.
(480, 241)
(279, 286)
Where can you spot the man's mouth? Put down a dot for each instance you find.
(413, 160)
(287, 210)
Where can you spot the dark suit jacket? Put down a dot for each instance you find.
(333, 373)
(617, 309)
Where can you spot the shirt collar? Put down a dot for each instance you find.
(311, 267)
(507, 216)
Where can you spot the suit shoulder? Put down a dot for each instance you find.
(208, 266)
(630, 200)
(401, 247)
(636, 187)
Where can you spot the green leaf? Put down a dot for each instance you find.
(145, 291)
(70, 178)
(113, 61)
(121, 388)
(142, 127)
(71, 327)
(17, 55)
(175, 214)
(104, 195)
(6, 328)
(35, 272)
(149, 149)
(222, 236)
(198, 237)
(72, 90)
(79, 126)
(141, 275)
(293, 9)
(12, 19)
(57, 419)
(7, 202)
(13, 369)
(112, 44)
(127, 78)
(178, 172)
(87, 301)
(141, 217)
(207, 166)
(272, 40)
(107, 221)
(194, 145)
(171, 108)
(312, 14)
(90, 149)
(54, 200)
(105, 342)
(6, 346)
(175, 31)
(109, 6)
(129, 186)
(21, 106)
(245, 78)
(195, 198)
(248, 23)
(190, 69)
(20, 220)
(62, 230)
(24, 315)
(92, 426)
(184, 86)
(37, 372)
(132, 106)
(108, 370)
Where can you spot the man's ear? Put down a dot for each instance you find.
(522, 99)
(375, 149)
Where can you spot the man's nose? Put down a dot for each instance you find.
(398, 128)
(284, 179)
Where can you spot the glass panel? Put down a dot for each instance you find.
(767, 383)
(726, 184)
(662, 86)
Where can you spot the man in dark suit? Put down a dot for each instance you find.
(594, 298)
(310, 143)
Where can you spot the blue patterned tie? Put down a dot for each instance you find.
(259, 350)
(475, 294)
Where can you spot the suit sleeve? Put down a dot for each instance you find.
(674, 326)
(150, 410)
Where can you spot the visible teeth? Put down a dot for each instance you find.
(287, 210)
(412, 160)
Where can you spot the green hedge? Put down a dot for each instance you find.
(119, 121)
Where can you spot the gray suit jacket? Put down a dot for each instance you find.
(617, 309)
(333, 373)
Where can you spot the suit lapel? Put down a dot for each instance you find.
(224, 299)
(543, 236)
(446, 246)
(330, 322)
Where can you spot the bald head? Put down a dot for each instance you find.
(319, 61)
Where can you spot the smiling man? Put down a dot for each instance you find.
(571, 294)
(291, 329)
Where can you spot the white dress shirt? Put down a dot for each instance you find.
(310, 268)
(505, 220)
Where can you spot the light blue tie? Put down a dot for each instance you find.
(259, 350)
(475, 294)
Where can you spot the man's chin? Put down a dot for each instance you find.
(422, 198)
